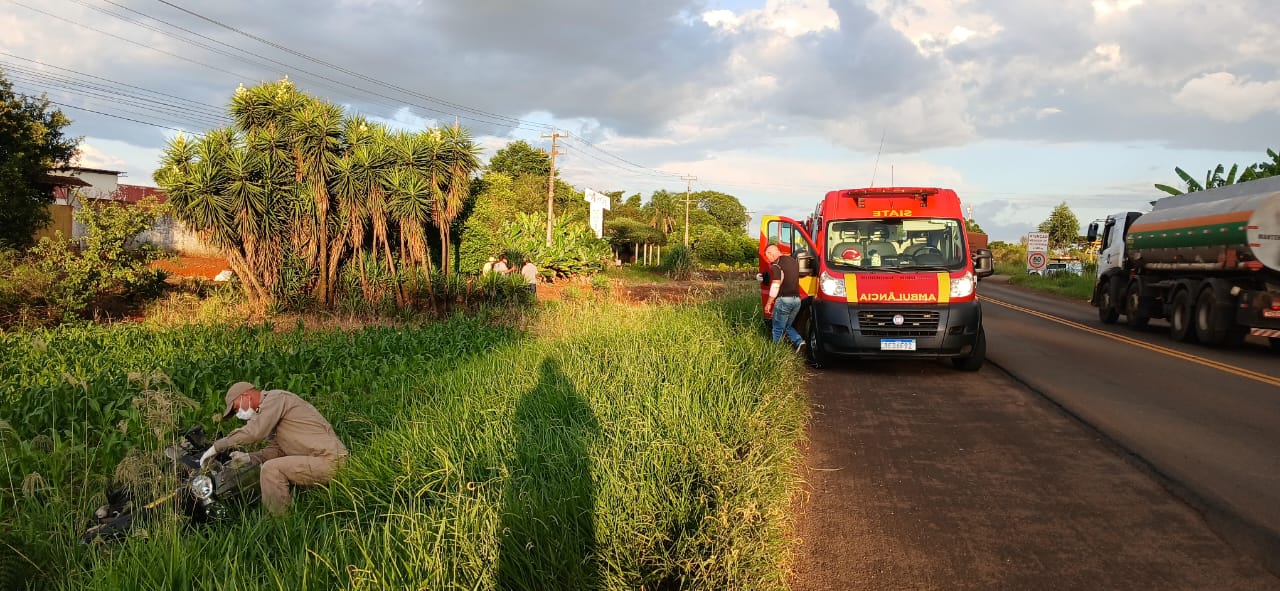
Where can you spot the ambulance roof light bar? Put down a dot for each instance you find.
(861, 195)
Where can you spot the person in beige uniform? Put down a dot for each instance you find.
(303, 449)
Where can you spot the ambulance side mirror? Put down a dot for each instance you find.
(984, 264)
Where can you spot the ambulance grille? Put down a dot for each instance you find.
(915, 323)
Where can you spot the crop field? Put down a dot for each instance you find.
(586, 446)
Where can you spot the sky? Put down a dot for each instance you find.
(1018, 105)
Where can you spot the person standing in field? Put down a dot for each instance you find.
(530, 273)
(488, 266)
(500, 267)
(303, 449)
(784, 295)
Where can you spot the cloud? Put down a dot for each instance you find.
(91, 157)
(787, 88)
(1224, 97)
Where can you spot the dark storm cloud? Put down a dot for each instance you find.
(632, 66)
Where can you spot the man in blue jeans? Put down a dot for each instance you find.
(784, 295)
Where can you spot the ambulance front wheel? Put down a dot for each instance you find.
(976, 358)
(815, 354)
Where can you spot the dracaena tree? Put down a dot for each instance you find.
(296, 182)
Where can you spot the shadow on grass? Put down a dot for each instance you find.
(548, 537)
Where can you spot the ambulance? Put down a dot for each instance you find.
(885, 273)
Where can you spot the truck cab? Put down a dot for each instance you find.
(1112, 278)
(887, 273)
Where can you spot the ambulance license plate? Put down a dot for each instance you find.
(897, 344)
(1271, 313)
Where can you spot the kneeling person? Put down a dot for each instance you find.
(303, 449)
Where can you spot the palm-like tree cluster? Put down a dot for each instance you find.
(1214, 177)
(295, 179)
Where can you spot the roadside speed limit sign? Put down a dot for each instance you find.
(1036, 260)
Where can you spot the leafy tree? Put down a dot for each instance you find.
(972, 226)
(621, 231)
(726, 211)
(714, 244)
(631, 208)
(32, 143)
(1062, 226)
(483, 231)
(519, 159)
(663, 209)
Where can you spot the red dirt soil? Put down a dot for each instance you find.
(189, 266)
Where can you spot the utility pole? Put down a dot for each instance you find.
(688, 184)
(551, 183)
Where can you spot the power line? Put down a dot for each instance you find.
(396, 102)
(632, 171)
(129, 41)
(64, 105)
(492, 118)
(157, 93)
(289, 69)
(515, 122)
(624, 160)
(38, 79)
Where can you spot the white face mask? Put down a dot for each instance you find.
(245, 414)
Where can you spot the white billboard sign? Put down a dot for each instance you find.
(599, 202)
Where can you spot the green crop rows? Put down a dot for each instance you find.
(601, 447)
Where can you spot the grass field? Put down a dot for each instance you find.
(1078, 287)
(601, 447)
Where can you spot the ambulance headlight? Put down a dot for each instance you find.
(832, 285)
(201, 486)
(962, 287)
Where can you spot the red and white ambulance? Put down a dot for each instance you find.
(885, 272)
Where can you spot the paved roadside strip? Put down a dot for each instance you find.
(921, 477)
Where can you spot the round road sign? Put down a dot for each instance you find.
(1036, 260)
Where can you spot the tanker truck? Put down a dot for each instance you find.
(1208, 262)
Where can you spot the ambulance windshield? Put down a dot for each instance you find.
(896, 244)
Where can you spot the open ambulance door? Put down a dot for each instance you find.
(792, 239)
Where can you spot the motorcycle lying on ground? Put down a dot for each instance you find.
(203, 494)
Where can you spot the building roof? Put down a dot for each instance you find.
(75, 169)
(58, 180)
(136, 193)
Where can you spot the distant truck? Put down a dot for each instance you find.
(885, 272)
(1207, 261)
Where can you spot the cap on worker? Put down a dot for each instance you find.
(492, 260)
(233, 393)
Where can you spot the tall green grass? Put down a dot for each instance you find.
(604, 447)
(1077, 287)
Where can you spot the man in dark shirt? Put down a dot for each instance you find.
(784, 295)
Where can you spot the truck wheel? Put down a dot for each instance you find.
(1134, 316)
(975, 359)
(1107, 311)
(1214, 328)
(1274, 343)
(1181, 324)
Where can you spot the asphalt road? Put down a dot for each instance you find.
(922, 477)
(1205, 420)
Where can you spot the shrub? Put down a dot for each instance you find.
(106, 266)
(679, 263)
(600, 284)
(574, 250)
